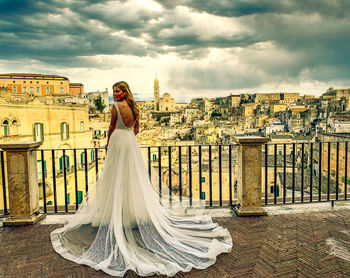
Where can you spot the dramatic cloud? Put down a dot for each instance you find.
(207, 48)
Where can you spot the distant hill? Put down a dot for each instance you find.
(110, 98)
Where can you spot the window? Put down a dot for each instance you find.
(24, 89)
(37, 82)
(38, 89)
(40, 172)
(24, 82)
(47, 89)
(64, 131)
(6, 128)
(38, 132)
(14, 81)
(81, 125)
(14, 127)
(82, 160)
(31, 82)
(61, 90)
(47, 82)
(80, 196)
(14, 89)
(61, 162)
(31, 89)
(92, 155)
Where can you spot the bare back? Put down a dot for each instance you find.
(126, 114)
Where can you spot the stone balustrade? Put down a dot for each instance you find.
(22, 175)
(249, 176)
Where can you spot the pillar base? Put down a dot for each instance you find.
(250, 211)
(25, 220)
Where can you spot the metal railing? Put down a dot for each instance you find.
(305, 172)
(196, 160)
(291, 173)
(64, 172)
(194, 171)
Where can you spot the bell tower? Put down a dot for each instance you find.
(156, 94)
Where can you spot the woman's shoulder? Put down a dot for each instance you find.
(122, 104)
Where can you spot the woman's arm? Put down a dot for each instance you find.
(112, 124)
(136, 127)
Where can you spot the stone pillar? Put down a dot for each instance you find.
(249, 176)
(22, 174)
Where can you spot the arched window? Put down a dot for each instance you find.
(6, 128)
(14, 127)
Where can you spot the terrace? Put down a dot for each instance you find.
(251, 176)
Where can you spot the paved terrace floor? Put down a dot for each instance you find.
(315, 243)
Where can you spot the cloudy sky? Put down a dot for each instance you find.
(197, 48)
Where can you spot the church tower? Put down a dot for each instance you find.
(156, 94)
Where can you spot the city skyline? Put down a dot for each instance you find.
(196, 50)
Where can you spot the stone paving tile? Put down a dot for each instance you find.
(287, 245)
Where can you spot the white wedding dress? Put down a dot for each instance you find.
(124, 223)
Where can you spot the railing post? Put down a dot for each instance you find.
(21, 159)
(249, 176)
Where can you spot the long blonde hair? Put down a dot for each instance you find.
(129, 98)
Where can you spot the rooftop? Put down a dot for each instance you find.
(309, 244)
(32, 75)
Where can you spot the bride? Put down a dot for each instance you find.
(127, 223)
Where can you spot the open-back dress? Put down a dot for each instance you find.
(124, 223)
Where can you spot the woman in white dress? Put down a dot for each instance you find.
(126, 223)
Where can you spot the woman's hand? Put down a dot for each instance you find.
(136, 130)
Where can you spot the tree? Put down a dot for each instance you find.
(99, 104)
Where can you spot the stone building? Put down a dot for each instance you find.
(248, 109)
(336, 93)
(91, 96)
(58, 125)
(289, 98)
(166, 103)
(76, 89)
(39, 84)
(298, 119)
(262, 98)
(277, 107)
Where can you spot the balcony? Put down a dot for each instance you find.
(287, 179)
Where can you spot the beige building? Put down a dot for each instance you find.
(335, 93)
(289, 98)
(261, 98)
(278, 108)
(91, 96)
(59, 125)
(76, 89)
(248, 109)
(39, 84)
